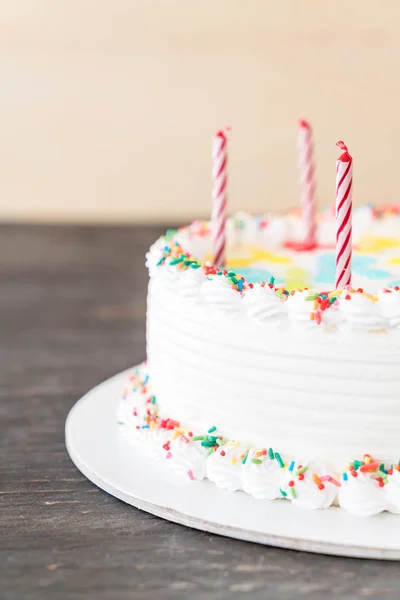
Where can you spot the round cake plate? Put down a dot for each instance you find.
(99, 451)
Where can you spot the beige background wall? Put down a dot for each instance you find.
(107, 106)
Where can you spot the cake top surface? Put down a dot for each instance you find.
(270, 275)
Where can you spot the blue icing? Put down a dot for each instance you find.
(362, 265)
(254, 274)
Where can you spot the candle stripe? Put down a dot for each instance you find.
(344, 189)
(307, 181)
(219, 196)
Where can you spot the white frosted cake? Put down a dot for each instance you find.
(261, 377)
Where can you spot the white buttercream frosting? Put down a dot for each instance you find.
(216, 291)
(389, 304)
(262, 303)
(366, 488)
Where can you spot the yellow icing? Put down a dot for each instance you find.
(370, 244)
(253, 254)
(297, 278)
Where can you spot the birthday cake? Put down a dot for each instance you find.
(261, 376)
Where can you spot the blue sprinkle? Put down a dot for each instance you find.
(291, 467)
(145, 380)
(145, 427)
(240, 285)
(345, 476)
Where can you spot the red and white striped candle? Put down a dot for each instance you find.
(307, 182)
(219, 195)
(344, 206)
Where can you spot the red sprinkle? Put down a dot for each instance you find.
(291, 483)
(262, 283)
(321, 486)
(301, 476)
(223, 452)
(251, 286)
(348, 297)
(354, 473)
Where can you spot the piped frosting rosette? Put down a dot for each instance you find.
(263, 303)
(389, 304)
(309, 484)
(368, 488)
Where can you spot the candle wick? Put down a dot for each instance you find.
(342, 146)
(223, 131)
(303, 123)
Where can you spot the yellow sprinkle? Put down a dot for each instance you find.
(152, 425)
(335, 293)
(367, 459)
(233, 461)
(232, 444)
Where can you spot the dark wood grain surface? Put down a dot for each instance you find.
(72, 303)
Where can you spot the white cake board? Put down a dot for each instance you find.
(96, 448)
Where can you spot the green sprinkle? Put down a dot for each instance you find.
(272, 280)
(220, 442)
(153, 399)
(313, 297)
(197, 438)
(245, 458)
(231, 274)
(210, 451)
(383, 475)
(332, 300)
(300, 471)
(234, 280)
(169, 234)
(161, 261)
(382, 468)
(279, 459)
(212, 439)
(284, 494)
(213, 428)
(357, 464)
(195, 266)
(256, 461)
(175, 261)
(207, 444)
(120, 423)
(271, 453)
(293, 493)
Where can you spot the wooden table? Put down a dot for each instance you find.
(72, 305)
